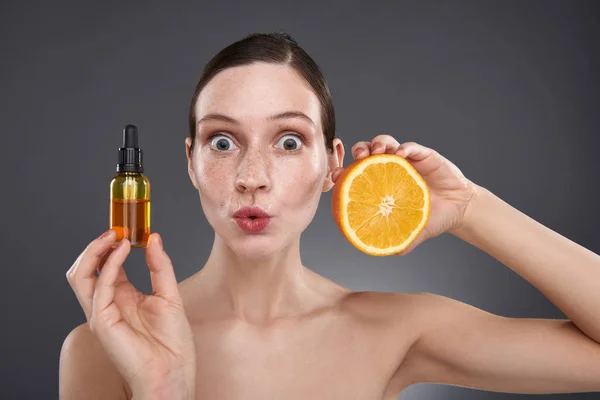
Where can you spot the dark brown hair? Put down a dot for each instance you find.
(278, 48)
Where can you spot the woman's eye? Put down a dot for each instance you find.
(290, 142)
(221, 142)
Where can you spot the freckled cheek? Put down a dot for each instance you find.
(298, 186)
(213, 186)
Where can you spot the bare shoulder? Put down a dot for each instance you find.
(385, 317)
(405, 315)
(395, 322)
(414, 308)
(85, 371)
(386, 308)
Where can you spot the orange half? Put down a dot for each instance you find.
(381, 204)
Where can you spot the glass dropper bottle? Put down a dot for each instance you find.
(129, 213)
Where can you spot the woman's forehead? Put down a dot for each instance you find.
(257, 90)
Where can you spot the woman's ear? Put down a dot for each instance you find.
(335, 161)
(188, 154)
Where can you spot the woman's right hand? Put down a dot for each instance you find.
(148, 337)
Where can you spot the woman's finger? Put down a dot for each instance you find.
(103, 260)
(81, 275)
(361, 150)
(336, 174)
(382, 144)
(162, 275)
(105, 285)
(121, 278)
(414, 151)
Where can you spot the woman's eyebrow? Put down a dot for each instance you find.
(280, 116)
(291, 115)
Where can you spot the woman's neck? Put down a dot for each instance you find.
(260, 290)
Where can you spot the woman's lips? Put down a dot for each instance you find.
(252, 225)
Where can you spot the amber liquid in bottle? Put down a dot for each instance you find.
(129, 213)
(131, 220)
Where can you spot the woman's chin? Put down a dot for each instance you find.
(255, 247)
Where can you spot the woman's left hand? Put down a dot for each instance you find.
(451, 193)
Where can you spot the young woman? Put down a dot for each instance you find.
(255, 323)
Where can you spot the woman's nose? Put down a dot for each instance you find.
(253, 173)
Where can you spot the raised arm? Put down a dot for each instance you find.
(565, 272)
(461, 345)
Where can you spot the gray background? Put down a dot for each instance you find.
(507, 90)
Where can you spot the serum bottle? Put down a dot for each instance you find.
(129, 213)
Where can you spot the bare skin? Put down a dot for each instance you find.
(254, 322)
(334, 344)
(353, 345)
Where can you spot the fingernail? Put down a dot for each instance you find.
(105, 234)
(376, 146)
(160, 241)
(359, 152)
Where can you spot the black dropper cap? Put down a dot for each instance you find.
(130, 155)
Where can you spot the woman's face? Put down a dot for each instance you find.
(259, 142)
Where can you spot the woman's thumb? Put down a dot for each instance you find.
(162, 275)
